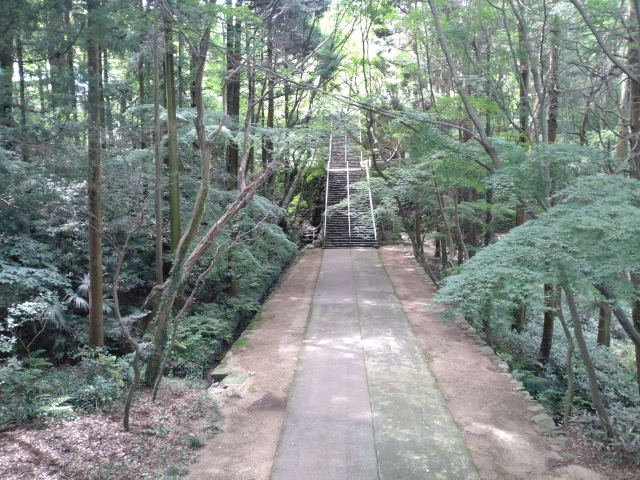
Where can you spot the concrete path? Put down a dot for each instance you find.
(364, 404)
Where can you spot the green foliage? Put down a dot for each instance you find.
(193, 441)
(26, 269)
(200, 339)
(615, 369)
(56, 407)
(253, 265)
(592, 234)
(31, 387)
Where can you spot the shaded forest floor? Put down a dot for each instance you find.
(164, 439)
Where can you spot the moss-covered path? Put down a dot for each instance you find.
(363, 402)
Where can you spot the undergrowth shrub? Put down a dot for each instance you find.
(32, 387)
(615, 368)
(254, 265)
(200, 338)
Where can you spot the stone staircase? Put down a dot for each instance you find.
(351, 224)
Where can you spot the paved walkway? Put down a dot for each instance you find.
(364, 404)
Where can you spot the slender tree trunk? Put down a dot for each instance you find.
(71, 78)
(180, 86)
(444, 219)
(472, 235)
(192, 74)
(267, 151)
(596, 399)
(417, 230)
(141, 92)
(156, 148)
(6, 79)
(488, 217)
(635, 317)
(41, 87)
(520, 312)
(634, 167)
(604, 325)
(554, 91)
(233, 92)
(552, 133)
(108, 117)
(523, 68)
(622, 147)
(463, 254)
(96, 329)
(101, 98)
(57, 63)
(567, 363)
(409, 225)
(443, 251)
(23, 102)
(172, 129)
(547, 327)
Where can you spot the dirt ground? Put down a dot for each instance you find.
(164, 439)
(494, 417)
(254, 410)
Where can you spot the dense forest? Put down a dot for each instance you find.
(163, 161)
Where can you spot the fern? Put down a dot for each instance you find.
(55, 407)
(35, 361)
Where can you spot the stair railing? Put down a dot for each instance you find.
(326, 191)
(366, 167)
(373, 218)
(346, 161)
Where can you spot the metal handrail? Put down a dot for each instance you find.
(346, 161)
(373, 217)
(366, 167)
(326, 191)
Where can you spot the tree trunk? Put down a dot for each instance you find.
(6, 79)
(520, 312)
(634, 164)
(552, 134)
(622, 148)
(172, 129)
(547, 327)
(417, 230)
(57, 62)
(604, 325)
(71, 87)
(596, 399)
(635, 317)
(524, 86)
(449, 237)
(554, 92)
(23, 102)
(463, 254)
(108, 118)
(233, 93)
(96, 329)
(567, 363)
(267, 151)
(141, 92)
(488, 218)
(156, 149)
